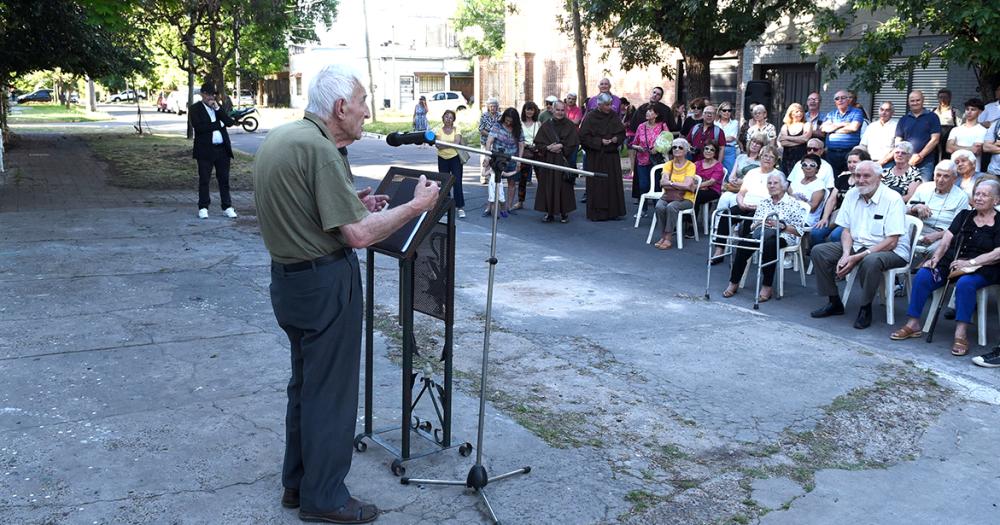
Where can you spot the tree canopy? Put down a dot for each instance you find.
(481, 25)
(968, 34)
(699, 29)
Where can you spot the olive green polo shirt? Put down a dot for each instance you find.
(304, 192)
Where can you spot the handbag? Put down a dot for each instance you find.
(968, 270)
(463, 156)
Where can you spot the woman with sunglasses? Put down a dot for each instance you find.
(758, 124)
(711, 172)
(678, 192)
(810, 189)
(901, 177)
(731, 128)
(696, 106)
(795, 133)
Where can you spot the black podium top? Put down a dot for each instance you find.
(399, 184)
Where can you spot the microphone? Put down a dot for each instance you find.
(416, 137)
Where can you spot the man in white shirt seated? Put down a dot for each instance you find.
(880, 135)
(936, 203)
(874, 240)
(991, 113)
(826, 174)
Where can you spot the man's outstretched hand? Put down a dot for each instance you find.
(374, 203)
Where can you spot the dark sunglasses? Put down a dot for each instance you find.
(813, 149)
(725, 109)
(675, 148)
(698, 107)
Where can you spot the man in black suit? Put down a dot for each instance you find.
(212, 149)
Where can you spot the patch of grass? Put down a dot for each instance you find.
(672, 451)
(641, 500)
(159, 162)
(685, 484)
(54, 112)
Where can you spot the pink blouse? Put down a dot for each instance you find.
(646, 137)
(716, 172)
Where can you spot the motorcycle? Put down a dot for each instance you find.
(243, 118)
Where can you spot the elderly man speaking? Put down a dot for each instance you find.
(874, 240)
(311, 219)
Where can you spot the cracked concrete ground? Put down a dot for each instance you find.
(144, 381)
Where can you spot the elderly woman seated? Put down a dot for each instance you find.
(791, 218)
(901, 177)
(752, 190)
(968, 252)
(678, 187)
(965, 166)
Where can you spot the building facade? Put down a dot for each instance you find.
(414, 50)
(778, 58)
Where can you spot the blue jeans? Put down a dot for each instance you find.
(828, 234)
(965, 293)
(454, 166)
(642, 177)
(926, 168)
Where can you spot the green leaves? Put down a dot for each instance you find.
(480, 24)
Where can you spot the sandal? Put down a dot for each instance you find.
(960, 347)
(664, 245)
(764, 298)
(905, 333)
(730, 291)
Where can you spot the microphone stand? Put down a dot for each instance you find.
(478, 478)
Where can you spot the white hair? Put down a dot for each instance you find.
(604, 98)
(970, 156)
(870, 164)
(492, 100)
(781, 177)
(757, 108)
(681, 142)
(332, 83)
(946, 165)
(905, 146)
(994, 186)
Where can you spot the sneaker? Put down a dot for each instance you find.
(990, 360)
(564, 219)
(899, 291)
(203, 213)
(504, 214)
(230, 212)
(461, 213)
(789, 262)
(486, 213)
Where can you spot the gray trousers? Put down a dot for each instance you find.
(320, 309)
(825, 256)
(666, 213)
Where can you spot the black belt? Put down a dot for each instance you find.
(319, 261)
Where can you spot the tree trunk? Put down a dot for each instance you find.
(91, 95)
(698, 76)
(581, 67)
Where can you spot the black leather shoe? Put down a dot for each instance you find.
(949, 314)
(290, 499)
(864, 319)
(827, 310)
(353, 512)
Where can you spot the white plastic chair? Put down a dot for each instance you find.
(679, 234)
(915, 226)
(982, 298)
(652, 194)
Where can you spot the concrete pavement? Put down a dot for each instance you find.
(144, 377)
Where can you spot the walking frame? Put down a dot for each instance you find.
(733, 241)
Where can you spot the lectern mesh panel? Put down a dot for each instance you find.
(432, 274)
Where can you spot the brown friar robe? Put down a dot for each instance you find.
(555, 195)
(605, 196)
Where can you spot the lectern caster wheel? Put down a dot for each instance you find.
(414, 422)
(425, 426)
(397, 468)
(359, 444)
(465, 449)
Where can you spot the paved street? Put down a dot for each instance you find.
(144, 374)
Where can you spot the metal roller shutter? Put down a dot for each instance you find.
(928, 80)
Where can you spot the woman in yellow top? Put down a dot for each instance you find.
(449, 161)
(677, 182)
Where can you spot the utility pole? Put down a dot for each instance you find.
(368, 55)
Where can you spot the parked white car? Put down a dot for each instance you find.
(438, 101)
(126, 96)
